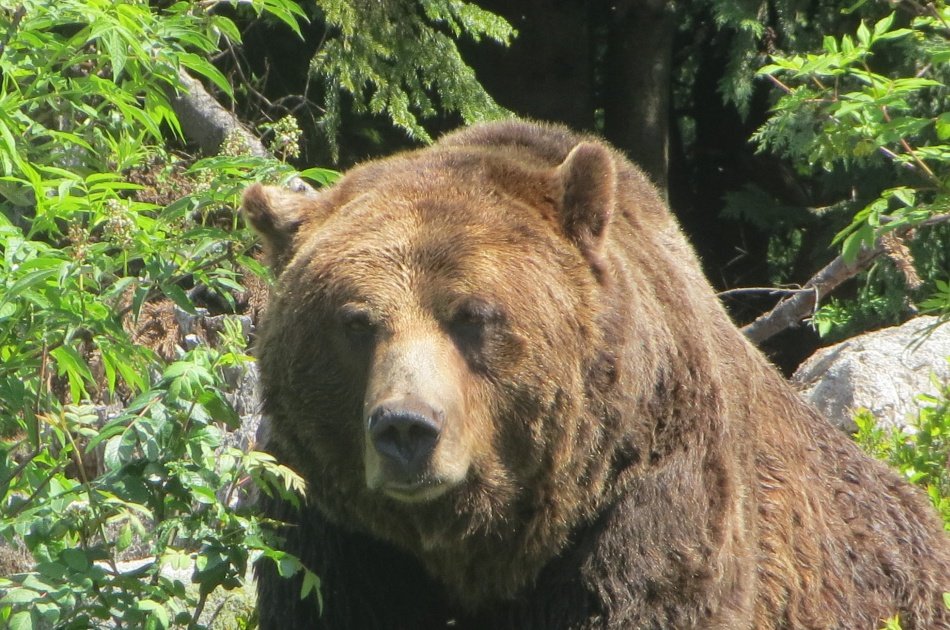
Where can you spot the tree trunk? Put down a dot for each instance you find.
(637, 75)
(546, 74)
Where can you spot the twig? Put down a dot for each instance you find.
(247, 83)
(769, 290)
(911, 152)
(778, 83)
(42, 389)
(8, 479)
(19, 507)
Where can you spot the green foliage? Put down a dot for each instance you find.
(169, 484)
(940, 299)
(748, 21)
(869, 109)
(81, 244)
(99, 222)
(750, 27)
(921, 452)
(782, 222)
(395, 58)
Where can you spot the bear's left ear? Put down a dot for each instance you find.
(588, 176)
(276, 214)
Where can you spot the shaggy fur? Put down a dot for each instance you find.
(614, 454)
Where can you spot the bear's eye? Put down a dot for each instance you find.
(356, 321)
(472, 317)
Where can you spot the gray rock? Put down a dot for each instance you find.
(244, 395)
(882, 371)
(223, 610)
(188, 322)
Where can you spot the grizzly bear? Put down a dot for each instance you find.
(518, 404)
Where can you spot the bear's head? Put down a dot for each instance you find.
(437, 356)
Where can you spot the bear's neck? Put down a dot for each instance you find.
(491, 567)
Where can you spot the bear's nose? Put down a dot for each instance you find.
(405, 434)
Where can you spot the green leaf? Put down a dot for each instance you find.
(19, 596)
(71, 364)
(864, 35)
(179, 297)
(942, 125)
(219, 408)
(287, 565)
(895, 34)
(254, 266)
(156, 611)
(322, 176)
(847, 44)
(227, 28)
(853, 243)
(27, 281)
(117, 50)
(883, 25)
(75, 559)
(311, 584)
(286, 12)
(22, 620)
(124, 539)
(906, 196)
(206, 69)
(176, 559)
(830, 44)
(203, 495)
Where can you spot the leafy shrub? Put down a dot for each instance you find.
(865, 120)
(101, 225)
(921, 452)
(169, 486)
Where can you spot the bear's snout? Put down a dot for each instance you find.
(404, 434)
(416, 438)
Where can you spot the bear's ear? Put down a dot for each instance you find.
(276, 214)
(588, 179)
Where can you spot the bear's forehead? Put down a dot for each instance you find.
(430, 243)
(467, 184)
(432, 224)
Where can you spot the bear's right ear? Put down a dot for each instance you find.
(276, 214)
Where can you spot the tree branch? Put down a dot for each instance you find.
(207, 123)
(769, 290)
(796, 307)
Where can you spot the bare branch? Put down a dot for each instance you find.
(790, 311)
(769, 290)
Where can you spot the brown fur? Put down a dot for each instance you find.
(613, 454)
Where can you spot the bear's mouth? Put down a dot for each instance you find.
(422, 489)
